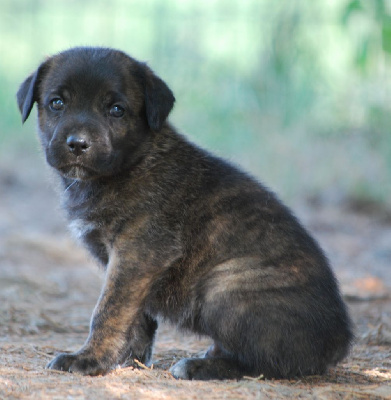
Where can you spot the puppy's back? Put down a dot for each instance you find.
(251, 276)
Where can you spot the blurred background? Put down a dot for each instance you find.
(296, 92)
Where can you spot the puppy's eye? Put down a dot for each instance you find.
(56, 104)
(117, 111)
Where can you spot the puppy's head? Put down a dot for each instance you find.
(97, 109)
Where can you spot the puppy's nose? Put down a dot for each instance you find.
(77, 144)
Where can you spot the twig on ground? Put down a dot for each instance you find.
(258, 378)
(141, 365)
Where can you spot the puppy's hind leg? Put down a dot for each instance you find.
(207, 369)
(217, 364)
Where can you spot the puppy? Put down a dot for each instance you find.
(182, 235)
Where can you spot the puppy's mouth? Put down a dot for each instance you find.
(77, 171)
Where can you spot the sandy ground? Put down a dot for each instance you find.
(48, 288)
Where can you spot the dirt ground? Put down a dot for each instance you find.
(48, 288)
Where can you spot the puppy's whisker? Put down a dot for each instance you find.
(69, 186)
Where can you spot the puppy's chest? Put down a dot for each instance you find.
(91, 216)
(81, 228)
(94, 238)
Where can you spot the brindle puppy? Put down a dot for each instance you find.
(182, 235)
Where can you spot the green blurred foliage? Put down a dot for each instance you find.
(296, 92)
(371, 22)
(377, 32)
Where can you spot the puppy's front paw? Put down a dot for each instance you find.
(80, 363)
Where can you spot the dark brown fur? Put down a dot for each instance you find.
(182, 235)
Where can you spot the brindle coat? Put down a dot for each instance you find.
(182, 235)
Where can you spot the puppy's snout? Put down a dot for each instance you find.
(77, 145)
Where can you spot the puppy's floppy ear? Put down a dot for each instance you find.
(159, 100)
(27, 93)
